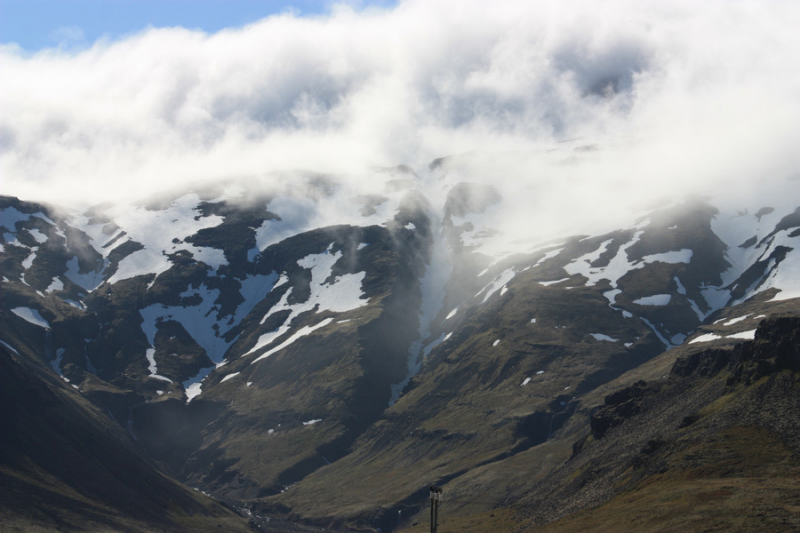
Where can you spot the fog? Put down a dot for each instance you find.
(576, 111)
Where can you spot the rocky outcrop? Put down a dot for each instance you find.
(618, 406)
(776, 347)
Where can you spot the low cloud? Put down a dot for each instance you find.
(596, 105)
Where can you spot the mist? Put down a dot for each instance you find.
(576, 111)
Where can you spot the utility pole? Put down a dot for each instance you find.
(436, 497)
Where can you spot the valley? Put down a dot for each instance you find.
(321, 359)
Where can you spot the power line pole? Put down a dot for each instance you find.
(436, 497)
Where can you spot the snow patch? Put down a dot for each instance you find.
(342, 294)
(302, 332)
(56, 363)
(602, 337)
(497, 284)
(697, 311)
(681, 289)
(31, 316)
(10, 216)
(706, 337)
(199, 321)
(88, 280)
(254, 288)
(55, 285)
(76, 305)
(661, 337)
(715, 297)
(736, 320)
(28, 262)
(548, 255)
(674, 257)
(553, 282)
(738, 226)
(747, 335)
(37, 235)
(151, 360)
(678, 339)
(192, 391)
(617, 267)
(230, 376)
(656, 300)
(9, 347)
(162, 232)
(283, 280)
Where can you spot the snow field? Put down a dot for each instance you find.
(342, 294)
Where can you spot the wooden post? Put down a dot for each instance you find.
(436, 497)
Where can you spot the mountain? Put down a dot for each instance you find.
(317, 353)
(712, 446)
(66, 466)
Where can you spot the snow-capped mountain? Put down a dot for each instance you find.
(269, 344)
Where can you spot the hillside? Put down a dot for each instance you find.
(66, 466)
(330, 373)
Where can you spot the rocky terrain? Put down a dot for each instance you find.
(328, 374)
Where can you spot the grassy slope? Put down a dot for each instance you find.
(705, 455)
(64, 465)
(467, 409)
(745, 479)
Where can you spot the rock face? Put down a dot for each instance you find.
(776, 347)
(294, 366)
(618, 406)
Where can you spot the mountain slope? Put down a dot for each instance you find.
(516, 362)
(313, 352)
(714, 445)
(64, 465)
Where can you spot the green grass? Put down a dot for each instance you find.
(746, 480)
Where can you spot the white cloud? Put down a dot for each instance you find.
(660, 97)
(67, 36)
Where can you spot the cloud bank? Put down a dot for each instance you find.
(579, 101)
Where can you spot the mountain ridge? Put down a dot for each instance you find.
(279, 364)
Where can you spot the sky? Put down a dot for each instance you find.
(570, 105)
(73, 24)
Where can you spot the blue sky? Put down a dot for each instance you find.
(37, 24)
